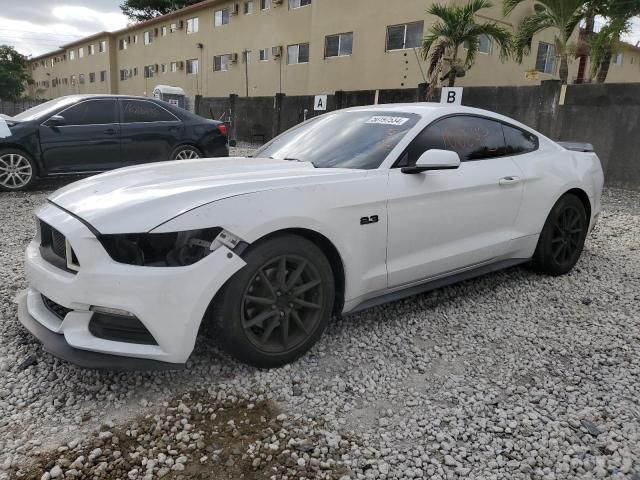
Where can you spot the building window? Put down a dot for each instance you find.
(147, 38)
(148, 71)
(73, 80)
(135, 71)
(298, 3)
(72, 54)
(163, 31)
(265, 4)
(338, 45)
(91, 49)
(81, 52)
(246, 57)
(174, 66)
(616, 59)
(92, 77)
(163, 68)
(192, 25)
(485, 45)
(221, 17)
(192, 66)
(546, 58)
(401, 37)
(135, 39)
(123, 44)
(221, 63)
(264, 54)
(298, 54)
(103, 76)
(102, 46)
(173, 27)
(248, 7)
(81, 79)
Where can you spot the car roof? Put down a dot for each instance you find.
(435, 110)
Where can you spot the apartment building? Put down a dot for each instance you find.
(261, 47)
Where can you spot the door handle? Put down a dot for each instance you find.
(110, 131)
(504, 181)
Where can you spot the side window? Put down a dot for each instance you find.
(92, 112)
(518, 141)
(473, 138)
(134, 111)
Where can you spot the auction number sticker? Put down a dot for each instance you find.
(384, 120)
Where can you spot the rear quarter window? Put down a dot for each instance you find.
(518, 141)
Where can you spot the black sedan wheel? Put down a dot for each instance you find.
(17, 170)
(185, 153)
(562, 239)
(275, 308)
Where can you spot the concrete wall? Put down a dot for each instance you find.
(605, 115)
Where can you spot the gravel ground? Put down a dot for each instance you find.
(513, 375)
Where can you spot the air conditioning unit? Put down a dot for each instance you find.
(277, 2)
(276, 52)
(233, 58)
(235, 9)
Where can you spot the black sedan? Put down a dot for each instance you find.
(83, 134)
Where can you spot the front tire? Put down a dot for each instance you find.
(17, 170)
(562, 239)
(277, 306)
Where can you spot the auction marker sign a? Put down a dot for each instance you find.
(451, 95)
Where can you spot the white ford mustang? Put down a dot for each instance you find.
(348, 210)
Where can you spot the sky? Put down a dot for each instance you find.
(35, 27)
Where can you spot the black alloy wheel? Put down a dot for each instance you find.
(562, 239)
(276, 307)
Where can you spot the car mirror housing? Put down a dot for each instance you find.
(434, 160)
(56, 120)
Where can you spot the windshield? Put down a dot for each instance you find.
(45, 109)
(356, 139)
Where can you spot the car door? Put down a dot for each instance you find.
(85, 139)
(149, 132)
(447, 220)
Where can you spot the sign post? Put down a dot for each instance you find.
(451, 95)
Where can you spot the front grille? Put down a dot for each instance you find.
(55, 308)
(58, 243)
(53, 248)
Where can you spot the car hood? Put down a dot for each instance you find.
(138, 199)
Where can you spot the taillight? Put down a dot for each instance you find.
(222, 128)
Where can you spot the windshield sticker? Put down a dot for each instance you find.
(383, 120)
(4, 129)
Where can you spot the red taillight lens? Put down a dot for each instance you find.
(222, 128)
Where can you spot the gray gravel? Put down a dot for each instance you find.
(514, 376)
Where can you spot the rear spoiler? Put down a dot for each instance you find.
(577, 146)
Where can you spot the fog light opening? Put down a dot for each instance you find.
(112, 311)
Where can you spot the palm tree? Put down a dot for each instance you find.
(604, 44)
(562, 15)
(456, 27)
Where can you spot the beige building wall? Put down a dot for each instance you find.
(370, 66)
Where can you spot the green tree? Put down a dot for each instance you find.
(564, 16)
(141, 10)
(456, 27)
(618, 14)
(13, 73)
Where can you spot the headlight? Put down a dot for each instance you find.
(176, 249)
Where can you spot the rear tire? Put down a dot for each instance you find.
(562, 239)
(277, 306)
(17, 170)
(186, 152)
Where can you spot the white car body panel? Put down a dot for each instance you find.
(429, 226)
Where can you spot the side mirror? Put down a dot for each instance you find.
(56, 121)
(434, 160)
